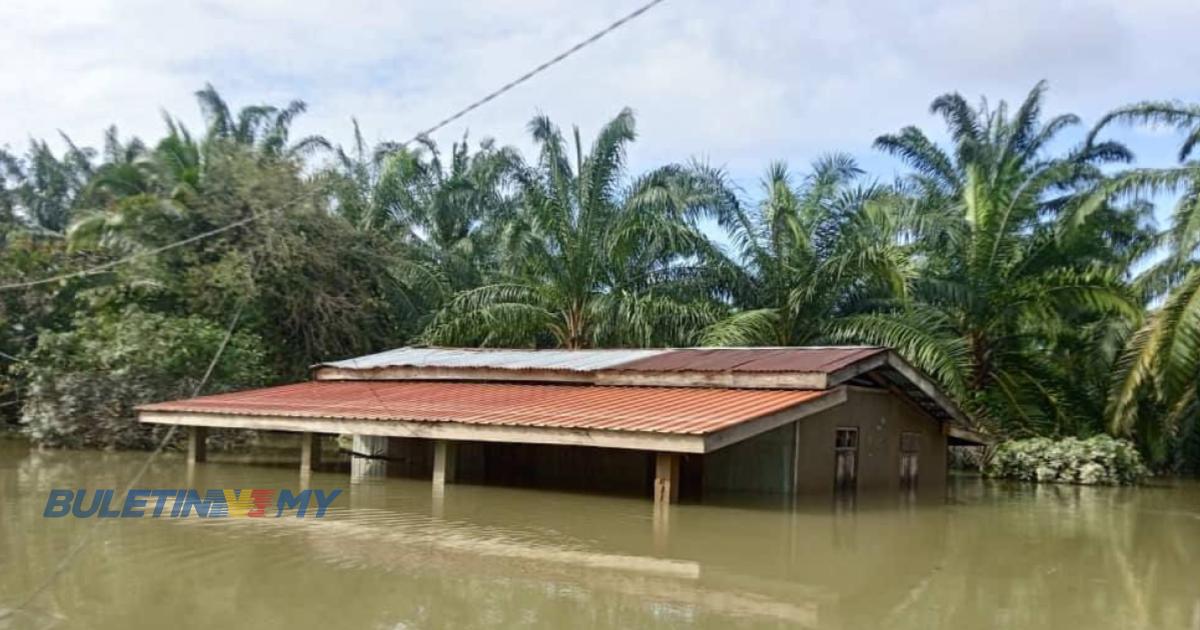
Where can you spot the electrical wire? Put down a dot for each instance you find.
(614, 25)
(66, 561)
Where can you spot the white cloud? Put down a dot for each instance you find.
(740, 84)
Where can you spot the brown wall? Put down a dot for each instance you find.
(880, 418)
(768, 463)
(761, 464)
(765, 464)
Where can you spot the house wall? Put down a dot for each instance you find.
(880, 417)
(801, 455)
(798, 455)
(762, 463)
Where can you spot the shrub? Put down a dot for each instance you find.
(1099, 460)
(84, 383)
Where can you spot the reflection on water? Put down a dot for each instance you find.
(391, 554)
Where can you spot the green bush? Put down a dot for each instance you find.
(84, 383)
(1099, 460)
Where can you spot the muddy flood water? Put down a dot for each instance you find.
(390, 555)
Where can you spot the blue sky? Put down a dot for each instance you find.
(739, 85)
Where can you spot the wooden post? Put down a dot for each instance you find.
(197, 444)
(666, 478)
(662, 527)
(375, 464)
(444, 462)
(310, 451)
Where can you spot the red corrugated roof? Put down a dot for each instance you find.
(811, 359)
(686, 411)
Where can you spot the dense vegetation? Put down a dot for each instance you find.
(1098, 460)
(1022, 271)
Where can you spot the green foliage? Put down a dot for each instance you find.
(82, 384)
(812, 256)
(1022, 284)
(589, 261)
(1154, 383)
(313, 286)
(1001, 264)
(1098, 460)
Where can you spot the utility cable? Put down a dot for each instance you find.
(616, 24)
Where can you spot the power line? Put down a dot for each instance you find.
(91, 271)
(614, 25)
(66, 561)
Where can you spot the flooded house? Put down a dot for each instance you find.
(667, 423)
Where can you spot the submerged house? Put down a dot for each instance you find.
(665, 422)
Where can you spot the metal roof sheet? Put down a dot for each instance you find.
(680, 411)
(800, 359)
(797, 359)
(569, 360)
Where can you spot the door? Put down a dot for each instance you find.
(845, 460)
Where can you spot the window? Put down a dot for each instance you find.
(845, 459)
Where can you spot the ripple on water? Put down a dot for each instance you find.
(392, 555)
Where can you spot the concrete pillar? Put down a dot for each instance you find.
(666, 478)
(197, 444)
(310, 451)
(444, 462)
(369, 467)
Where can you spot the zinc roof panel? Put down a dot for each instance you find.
(805, 359)
(570, 360)
(691, 411)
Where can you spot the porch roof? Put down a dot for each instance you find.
(665, 418)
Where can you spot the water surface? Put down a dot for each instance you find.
(392, 555)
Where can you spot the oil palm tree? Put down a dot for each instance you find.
(587, 259)
(138, 197)
(355, 182)
(445, 212)
(127, 169)
(42, 190)
(10, 170)
(1019, 256)
(811, 254)
(1154, 395)
(264, 127)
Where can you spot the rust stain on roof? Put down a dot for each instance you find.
(681, 411)
(811, 359)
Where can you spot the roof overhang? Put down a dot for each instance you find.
(400, 424)
(961, 436)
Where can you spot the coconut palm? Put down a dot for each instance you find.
(812, 254)
(587, 259)
(1020, 258)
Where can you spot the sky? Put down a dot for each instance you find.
(736, 84)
